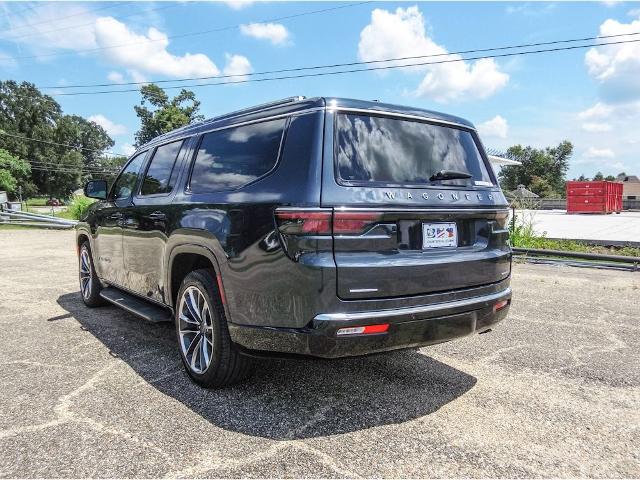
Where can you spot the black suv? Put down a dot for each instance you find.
(316, 226)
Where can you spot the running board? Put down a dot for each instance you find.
(130, 303)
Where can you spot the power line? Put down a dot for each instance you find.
(44, 164)
(27, 25)
(76, 147)
(193, 34)
(336, 65)
(355, 70)
(120, 17)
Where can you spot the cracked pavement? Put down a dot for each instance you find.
(554, 391)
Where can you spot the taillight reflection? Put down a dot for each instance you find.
(349, 223)
(304, 222)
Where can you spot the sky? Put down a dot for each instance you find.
(589, 96)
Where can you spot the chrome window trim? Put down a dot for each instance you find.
(410, 209)
(406, 311)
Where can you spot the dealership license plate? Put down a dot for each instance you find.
(439, 235)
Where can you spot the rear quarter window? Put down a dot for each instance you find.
(392, 151)
(233, 157)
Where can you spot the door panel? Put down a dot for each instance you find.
(109, 223)
(107, 256)
(146, 222)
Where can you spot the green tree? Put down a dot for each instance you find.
(582, 178)
(549, 164)
(598, 176)
(541, 187)
(32, 127)
(14, 173)
(610, 178)
(165, 114)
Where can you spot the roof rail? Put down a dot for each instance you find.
(254, 109)
(258, 108)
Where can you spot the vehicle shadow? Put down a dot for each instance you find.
(285, 399)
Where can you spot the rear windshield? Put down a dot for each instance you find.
(382, 150)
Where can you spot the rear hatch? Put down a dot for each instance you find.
(416, 209)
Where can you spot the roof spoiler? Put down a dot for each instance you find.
(259, 108)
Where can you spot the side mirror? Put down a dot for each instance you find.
(96, 189)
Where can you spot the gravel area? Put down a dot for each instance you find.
(554, 391)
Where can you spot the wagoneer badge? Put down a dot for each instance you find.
(450, 197)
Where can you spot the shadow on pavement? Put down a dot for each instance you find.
(285, 399)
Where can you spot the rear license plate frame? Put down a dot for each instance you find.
(439, 235)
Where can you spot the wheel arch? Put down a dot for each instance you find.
(185, 258)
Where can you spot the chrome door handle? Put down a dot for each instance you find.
(157, 216)
(116, 216)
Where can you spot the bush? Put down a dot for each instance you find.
(79, 205)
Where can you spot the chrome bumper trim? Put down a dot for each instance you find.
(406, 311)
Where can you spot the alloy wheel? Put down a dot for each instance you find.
(195, 329)
(86, 280)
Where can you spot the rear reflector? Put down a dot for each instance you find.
(500, 305)
(353, 222)
(304, 222)
(366, 330)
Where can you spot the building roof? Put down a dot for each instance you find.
(522, 192)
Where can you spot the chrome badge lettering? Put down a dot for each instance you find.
(451, 197)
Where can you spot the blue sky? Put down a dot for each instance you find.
(589, 96)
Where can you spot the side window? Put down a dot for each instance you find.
(235, 156)
(161, 174)
(126, 182)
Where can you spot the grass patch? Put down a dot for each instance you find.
(37, 202)
(523, 235)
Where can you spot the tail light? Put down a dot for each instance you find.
(500, 305)
(364, 330)
(350, 223)
(300, 221)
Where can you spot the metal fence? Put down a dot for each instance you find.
(561, 204)
(16, 217)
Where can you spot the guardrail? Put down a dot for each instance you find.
(17, 217)
(622, 262)
(561, 204)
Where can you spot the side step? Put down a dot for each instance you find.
(137, 306)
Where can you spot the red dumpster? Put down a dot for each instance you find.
(594, 197)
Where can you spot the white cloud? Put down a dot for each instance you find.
(238, 66)
(402, 34)
(497, 127)
(276, 33)
(599, 111)
(110, 127)
(593, 152)
(112, 40)
(127, 149)
(136, 76)
(238, 4)
(115, 77)
(616, 67)
(148, 53)
(634, 12)
(596, 127)
(41, 27)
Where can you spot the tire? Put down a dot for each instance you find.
(207, 351)
(90, 285)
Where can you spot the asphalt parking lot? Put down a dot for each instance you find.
(553, 391)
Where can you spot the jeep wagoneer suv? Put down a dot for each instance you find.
(315, 226)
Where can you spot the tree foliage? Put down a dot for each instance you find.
(543, 171)
(14, 172)
(59, 146)
(164, 114)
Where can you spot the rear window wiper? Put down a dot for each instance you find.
(449, 175)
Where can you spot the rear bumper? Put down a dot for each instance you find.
(408, 327)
